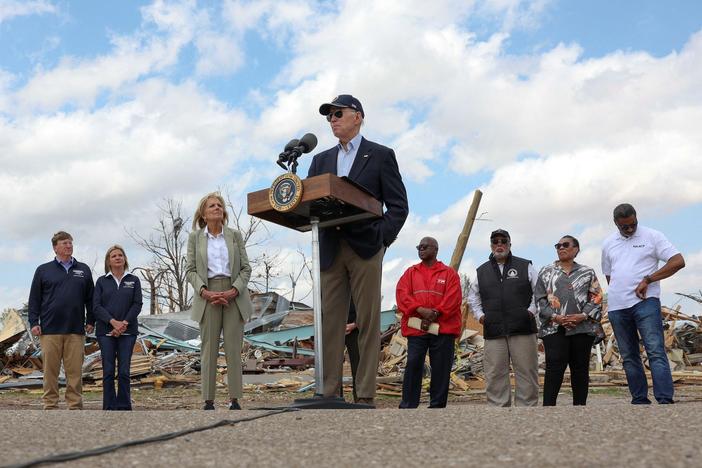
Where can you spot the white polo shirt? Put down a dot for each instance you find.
(626, 260)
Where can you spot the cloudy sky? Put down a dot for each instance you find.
(556, 110)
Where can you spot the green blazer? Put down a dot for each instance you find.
(238, 263)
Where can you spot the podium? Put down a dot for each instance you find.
(327, 201)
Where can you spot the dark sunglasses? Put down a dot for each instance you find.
(338, 114)
(423, 246)
(626, 227)
(499, 240)
(564, 245)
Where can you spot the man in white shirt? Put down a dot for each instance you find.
(501, 298)
(630, 259)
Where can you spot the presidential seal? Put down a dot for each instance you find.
(286, 192)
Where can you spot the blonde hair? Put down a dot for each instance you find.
(199, 216)
(107, 257)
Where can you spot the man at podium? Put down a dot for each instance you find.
(351, 255)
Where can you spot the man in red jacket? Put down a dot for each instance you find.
(430, 293)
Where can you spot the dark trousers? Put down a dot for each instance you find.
(567, 351)
(117, 350)
(440, 349)
(351, 341)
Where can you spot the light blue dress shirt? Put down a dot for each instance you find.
(344, 159)
(66, 265)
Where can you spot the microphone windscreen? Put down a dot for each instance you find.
(308, 142)
(291, 144)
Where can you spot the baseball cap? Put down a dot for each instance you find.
(500, 232)
(342, 100)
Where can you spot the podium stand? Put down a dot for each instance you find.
(327, 201)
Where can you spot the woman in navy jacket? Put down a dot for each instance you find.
(116, 304)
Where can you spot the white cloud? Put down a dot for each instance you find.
(13, 297)
(14, 8)
(14, 253)
(92, 168)
(560, 139)
(219, 55)
(78, 81)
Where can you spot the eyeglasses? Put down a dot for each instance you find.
(564, 245)
(423, 246)
(627, 227)
(499, 240)
(337, 113)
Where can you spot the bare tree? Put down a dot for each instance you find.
(253, 230)
(306, 270)
(166, 277)
(465, 285)
(265, 267)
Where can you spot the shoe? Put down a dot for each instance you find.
(234, 405)
(366, 401)
(209, 405)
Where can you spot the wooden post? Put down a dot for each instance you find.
(467, 317)
(465, 233)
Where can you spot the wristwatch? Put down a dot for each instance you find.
(648, 279)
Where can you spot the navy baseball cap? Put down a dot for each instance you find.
(342, 100)
(500, 232)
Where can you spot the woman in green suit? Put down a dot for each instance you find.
(218, 269)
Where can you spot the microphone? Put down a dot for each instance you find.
(291, 144)
(285, 155)
(307, 143)
(294, 149)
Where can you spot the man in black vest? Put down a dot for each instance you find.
(501, 299)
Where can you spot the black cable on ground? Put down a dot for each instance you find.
(64, 457)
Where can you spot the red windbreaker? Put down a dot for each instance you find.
(436, 287)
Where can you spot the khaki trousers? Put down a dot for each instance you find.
(521, 351)
(216, 320)
(351, 276)
(70, 349)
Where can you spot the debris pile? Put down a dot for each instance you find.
(280, 338)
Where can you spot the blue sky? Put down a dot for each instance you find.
(557, 110)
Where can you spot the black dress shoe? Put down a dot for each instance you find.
(209, 405)
(234, 405)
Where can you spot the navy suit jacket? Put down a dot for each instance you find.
(375, 169)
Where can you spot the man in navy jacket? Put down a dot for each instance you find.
(61, 292)
(351, 255)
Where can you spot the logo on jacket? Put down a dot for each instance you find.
(78, 273)
(129, 284)
(512, 273)
(286, 192)
(441, 281)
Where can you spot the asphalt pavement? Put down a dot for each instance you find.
(612, 435)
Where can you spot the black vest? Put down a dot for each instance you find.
(505, 298)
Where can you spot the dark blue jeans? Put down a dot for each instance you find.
(440, 349)
(120, 350)
(643, 318)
